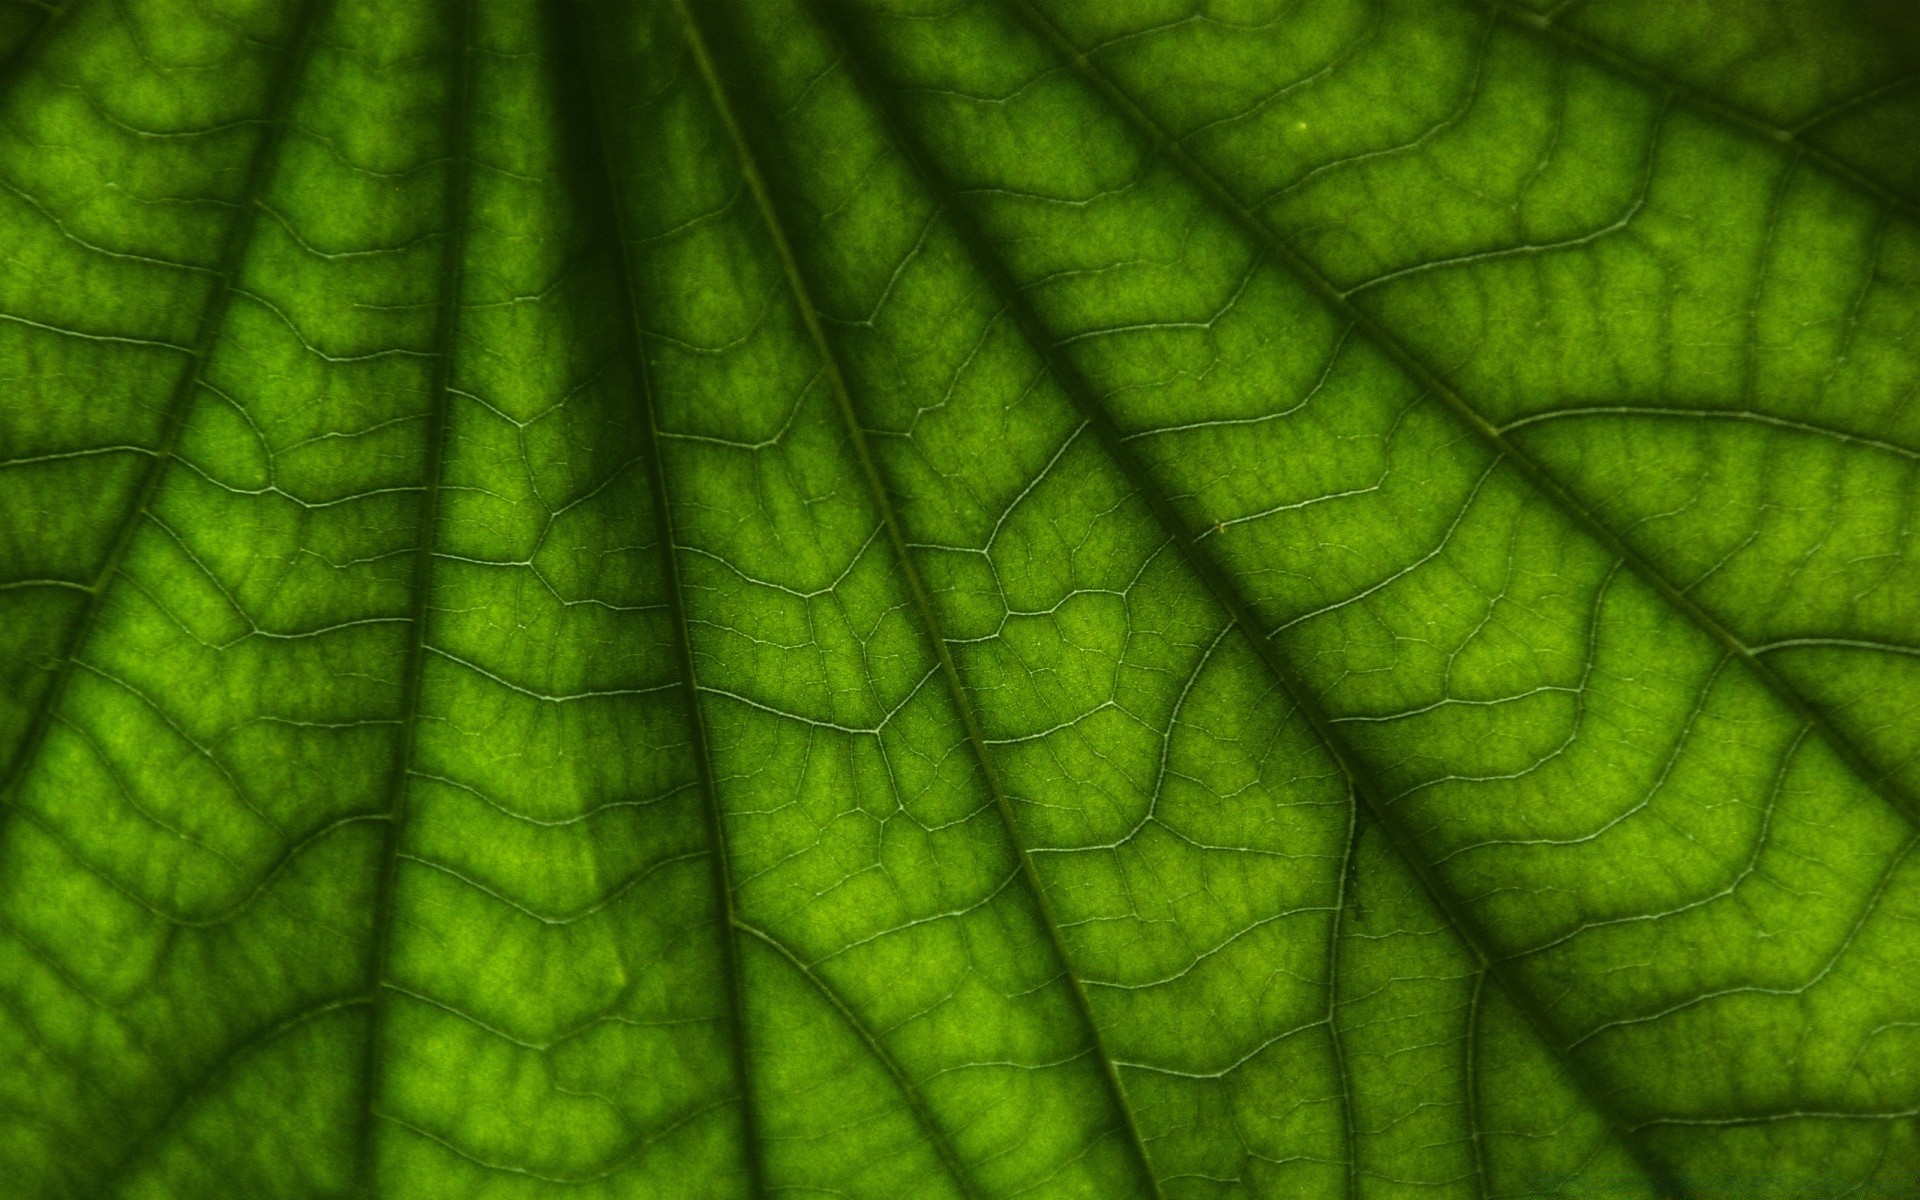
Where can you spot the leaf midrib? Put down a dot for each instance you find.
(593, 113)
(1367, 792)
(241, 236)
(440, 399)
(922, 600)
(179, 403)
(1888, 789)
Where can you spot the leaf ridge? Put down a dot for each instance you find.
(1538, 477)
(180, 403)
(452, 268)
(857, 437)
(591, 116)
(1368, 795)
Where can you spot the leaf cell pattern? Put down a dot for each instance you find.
(959, 598)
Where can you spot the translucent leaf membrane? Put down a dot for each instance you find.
(731, 598)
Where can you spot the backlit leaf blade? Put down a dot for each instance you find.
(957, 600)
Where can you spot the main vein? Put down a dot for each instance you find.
(440, 397)
(595, 117)
(1537, 476)
(179, 403)
(1367, 791)
(922, 600)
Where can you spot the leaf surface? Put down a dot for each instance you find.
(972, 598)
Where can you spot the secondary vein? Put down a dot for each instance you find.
(440, 395)
(942, 1145)
(595, 118)
(1723, 111)
(922, 600)
(1367, 792)
(1537, 476)
(179, 403)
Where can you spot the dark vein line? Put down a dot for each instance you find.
(916, 1102)
(202, 1085)
(1776, 200)
(1852, 104)
(923, 603)
(23, 53)
(1240, 611)
(1542, 481)
(440, 397)
(80, 1071)
(179, 405)
(1724, 111)
(593, 120)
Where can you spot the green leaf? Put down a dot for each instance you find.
(959, 598)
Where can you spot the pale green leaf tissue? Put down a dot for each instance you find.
(1163, 599)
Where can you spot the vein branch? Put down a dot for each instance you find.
(1537, 476)
(942, 1145)
(179, 404)
(593, 116)
(1369, 795)
(440, 396)
(1700, 101)
(922, 600)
